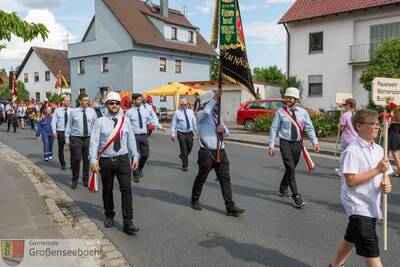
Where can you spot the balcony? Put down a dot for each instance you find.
(362, 53)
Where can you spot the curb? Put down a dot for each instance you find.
(72, 221)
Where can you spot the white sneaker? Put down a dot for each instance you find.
(46, 159)
(50, 157)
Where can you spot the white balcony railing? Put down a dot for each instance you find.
(362, 53)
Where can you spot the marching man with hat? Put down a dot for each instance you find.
(289, 124)
(207, 126)
(111, 141)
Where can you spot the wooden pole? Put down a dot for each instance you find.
(385, 179)
(219, 135)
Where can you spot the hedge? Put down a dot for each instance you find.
(325, 124)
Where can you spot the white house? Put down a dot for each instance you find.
(39, 69)
(330, 43)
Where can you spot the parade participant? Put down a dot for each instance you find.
(113, 137)
(2, 113)
(348, 133)
(139, 118)
(148, 105)
(289, 123)
(59, 122)
(45, 130)
(394, 139)
(21, 114)
(11, 110)
(196, 105)
(363, 167)
(77, 137)
(183, 126)
(207, 130)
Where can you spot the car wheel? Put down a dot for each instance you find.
(248, 124)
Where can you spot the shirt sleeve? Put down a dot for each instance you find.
(274, 129)
(54, 122)
(194, 123)
(206, 111)
(226, 133)
(309, 128)
(94, 142)
(68, 127)
(132, 144)
(172, 129)
(349, 162)
(342, 120)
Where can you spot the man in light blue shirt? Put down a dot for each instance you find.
(148, 106)
(58, 124)
(208, 128)
(291, 141)
(184, 126)
(114, 160)
(77, 137)
(139, 118)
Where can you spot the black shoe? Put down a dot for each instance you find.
(284, 193)
(85, 183)
(195, 205)
(109, 222)
(298, 201)
(74, 185)
(235, 211)
(130, 228)
(63, 167)
(141, 173)
(135, 179)
(185, 168)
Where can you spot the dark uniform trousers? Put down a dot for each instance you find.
(12, 119)
(185, 145)
(119, 166)
(290, 151)
(79, 148)
(142, 143)
(61, 144)
(206, 163)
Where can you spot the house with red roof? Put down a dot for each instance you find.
(330, 43)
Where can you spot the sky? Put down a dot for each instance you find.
(67, 21)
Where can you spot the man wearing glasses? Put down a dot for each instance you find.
(183, 126)
(111, 142)
(286, 125)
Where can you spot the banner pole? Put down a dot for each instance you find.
(385, 179)
(219, 135)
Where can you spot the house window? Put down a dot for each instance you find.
(37, 96)
(191, 37)
(316, 42)
(382, 32)
(82, 91)
(25, 77)
(36, 75)
(47, 75)
(315, 85)
(104, 64)
(81, 66)
(174, 33)
(163, 64)
(178, 66)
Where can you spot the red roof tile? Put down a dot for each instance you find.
(307, 9)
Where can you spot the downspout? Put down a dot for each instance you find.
(288, 51)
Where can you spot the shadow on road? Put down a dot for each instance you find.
(166, 164)
(252, 253)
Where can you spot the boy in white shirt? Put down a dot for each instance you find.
(363, 167)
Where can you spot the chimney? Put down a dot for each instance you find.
(164, 8)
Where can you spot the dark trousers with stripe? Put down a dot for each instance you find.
(185, 145)
(61, 144)
(206, 163)
(290, 151)
(79, 147)
(142, 143)
(119, 166)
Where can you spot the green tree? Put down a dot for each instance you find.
(23, 94)
(214, 68)
(271, 74)
(292, 81)
(385, 63)
(11, 24)
(3, 72)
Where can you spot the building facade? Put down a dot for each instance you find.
(330, 43)
(39, 69)
(136, 45)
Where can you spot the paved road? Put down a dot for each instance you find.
(271, 232)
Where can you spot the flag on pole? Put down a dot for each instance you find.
(227, 24)
(58, 83)
(13, 85)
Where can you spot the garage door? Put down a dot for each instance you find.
(230, 105)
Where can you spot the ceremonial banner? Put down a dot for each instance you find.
(59, 80)
(233, 55)
(385, 90)
(13, 85)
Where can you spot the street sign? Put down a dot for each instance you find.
(385, 90)
(341, 97)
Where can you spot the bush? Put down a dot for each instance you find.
(324, 124)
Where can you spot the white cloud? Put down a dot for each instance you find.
(272, 2)
(265, 32)
(40, 3)
(207, 7)
(16, 49)
(249, 7)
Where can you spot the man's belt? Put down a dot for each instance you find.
(115, 158)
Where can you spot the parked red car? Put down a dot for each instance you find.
(253, 108)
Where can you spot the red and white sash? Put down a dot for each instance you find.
(307, 158)
(93, 181)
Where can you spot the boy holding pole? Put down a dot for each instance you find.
(363, 166)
